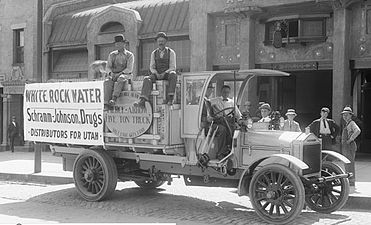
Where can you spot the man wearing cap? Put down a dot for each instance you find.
(290, 124)
(162, 67)
(348, 145)
(13, 131)
(119, 68)
(225, 114)
(325, 128)
(265, 110)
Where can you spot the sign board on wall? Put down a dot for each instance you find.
(65, 112)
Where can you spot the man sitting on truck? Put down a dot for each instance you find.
(225, 120)
(162, 67)
(119, 68)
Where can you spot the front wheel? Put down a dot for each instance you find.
(330, 195)
(277, 194)
(95, 175)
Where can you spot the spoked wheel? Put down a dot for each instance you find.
(331, 195)
(95, 175)
(277, 194)
(149, 184)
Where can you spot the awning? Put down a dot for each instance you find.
(170, 16)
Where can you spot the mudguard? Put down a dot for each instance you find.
(336, 155)
(295, 161)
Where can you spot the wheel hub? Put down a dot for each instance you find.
(89, 175)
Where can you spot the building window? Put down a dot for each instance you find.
(302, 30)
(181, 46)
(18, 46)
(112, 27)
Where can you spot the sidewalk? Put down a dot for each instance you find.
(19, 166)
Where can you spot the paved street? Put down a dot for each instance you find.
(35, 203)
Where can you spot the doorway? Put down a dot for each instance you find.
(306, 92)
(365, 116)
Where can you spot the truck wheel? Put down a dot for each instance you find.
(277, 194)
(149, 184)
(95, 175)
(331, 195)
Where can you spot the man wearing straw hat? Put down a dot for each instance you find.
(290, 124)
(348, 145)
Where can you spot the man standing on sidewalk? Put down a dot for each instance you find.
(325, 128)
(13, 131)
(348, 145)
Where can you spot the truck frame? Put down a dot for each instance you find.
(278, 170)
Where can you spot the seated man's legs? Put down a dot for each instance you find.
(171, 77)
(118, 87)
(108, 87)
(222, 137)
(146, 89)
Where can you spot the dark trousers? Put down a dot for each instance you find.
(113, 86)
(326, 142)
(224, 134)
(11, 139)
(149, 80)
(349, 151)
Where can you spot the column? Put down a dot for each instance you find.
(341, 72)
(247, 43)
(198, 34)
(4, 145)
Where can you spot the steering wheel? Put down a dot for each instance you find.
(225, 109)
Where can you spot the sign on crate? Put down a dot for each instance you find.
(127, 120)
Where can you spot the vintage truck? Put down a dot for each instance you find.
(280, 171)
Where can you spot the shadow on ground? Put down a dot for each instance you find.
(143, 206)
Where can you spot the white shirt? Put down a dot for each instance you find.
(219, 105)
(322, 129)
(265, 119)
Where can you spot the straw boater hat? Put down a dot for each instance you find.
(291, 112)
(265, 106)
(347, 110)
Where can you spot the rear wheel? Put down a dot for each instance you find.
(95, 175)
(149, 184)
(277, 194)
(331, 195)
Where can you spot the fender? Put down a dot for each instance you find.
(295, 161)
(336, 155)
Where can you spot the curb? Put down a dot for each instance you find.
(358, 202)
(35, 178)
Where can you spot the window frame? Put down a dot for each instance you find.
(17, 47)
(300, 38)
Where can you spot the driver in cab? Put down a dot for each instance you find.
(225, 115)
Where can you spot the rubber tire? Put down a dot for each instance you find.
(297, 201)
(108, 170)
(149, 184)
(343, 197)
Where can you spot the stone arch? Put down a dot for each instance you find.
(131, 21)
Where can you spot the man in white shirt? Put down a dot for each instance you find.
(225, 114)
(325, 128)
(119, 68)
(265, 110)
(162, 67)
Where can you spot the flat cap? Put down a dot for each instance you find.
(347, 110)
(161, 35)
(325, 109)
(119, 38)
(265, 106)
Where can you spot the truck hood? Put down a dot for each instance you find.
(272, 138)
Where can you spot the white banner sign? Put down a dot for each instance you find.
(65, 112)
